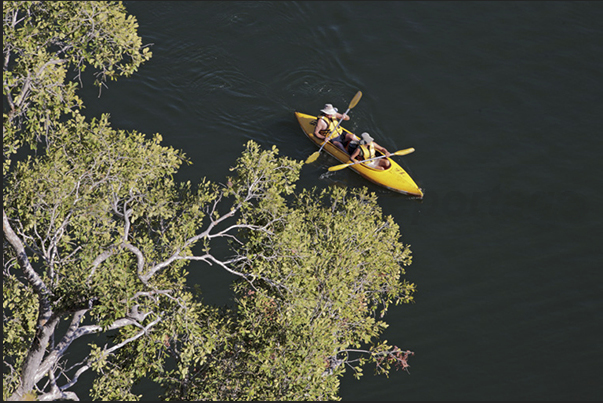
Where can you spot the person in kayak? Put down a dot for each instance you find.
(326, 123)
(365, 149)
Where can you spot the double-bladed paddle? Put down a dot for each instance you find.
(342, 166)
(353, 103)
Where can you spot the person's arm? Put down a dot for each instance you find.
(320, 125)
(355, 154)
(382, 149)
(339, 116)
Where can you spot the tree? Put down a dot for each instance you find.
(43, 42)
(319, 282)
(98, 236)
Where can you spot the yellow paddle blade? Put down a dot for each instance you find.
(312, 157)
(338, 167)
(404, 152)
(355, 100)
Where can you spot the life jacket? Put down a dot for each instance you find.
(367, 151)
(330, 130)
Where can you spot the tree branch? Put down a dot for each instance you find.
(58, 351)
(32, 277)
(58, 394)
(75, 331)
(99, 260)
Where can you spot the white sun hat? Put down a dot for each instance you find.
(329, 110)
(366, 138)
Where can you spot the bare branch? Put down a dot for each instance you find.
(58, 394)
(75, 377)
(100, 259)
(58, 351)
(32, 277)
(136, 336)
(140, 259)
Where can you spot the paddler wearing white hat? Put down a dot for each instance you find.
(366, 150)
(326, 124)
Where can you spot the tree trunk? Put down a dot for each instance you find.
(34, 358)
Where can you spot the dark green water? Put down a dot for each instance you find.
(502, 102)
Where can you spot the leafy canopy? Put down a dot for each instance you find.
(44, 42)
(98, 237)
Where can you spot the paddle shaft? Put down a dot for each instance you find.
(342, 166)
(353, 103)
(334, 131)
(370, 159)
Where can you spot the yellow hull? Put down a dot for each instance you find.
(394, 178)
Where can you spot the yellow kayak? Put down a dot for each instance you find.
(393, 178)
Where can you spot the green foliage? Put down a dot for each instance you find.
(320, 280)
(20, 305)
(46, 40)
(106, 235)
